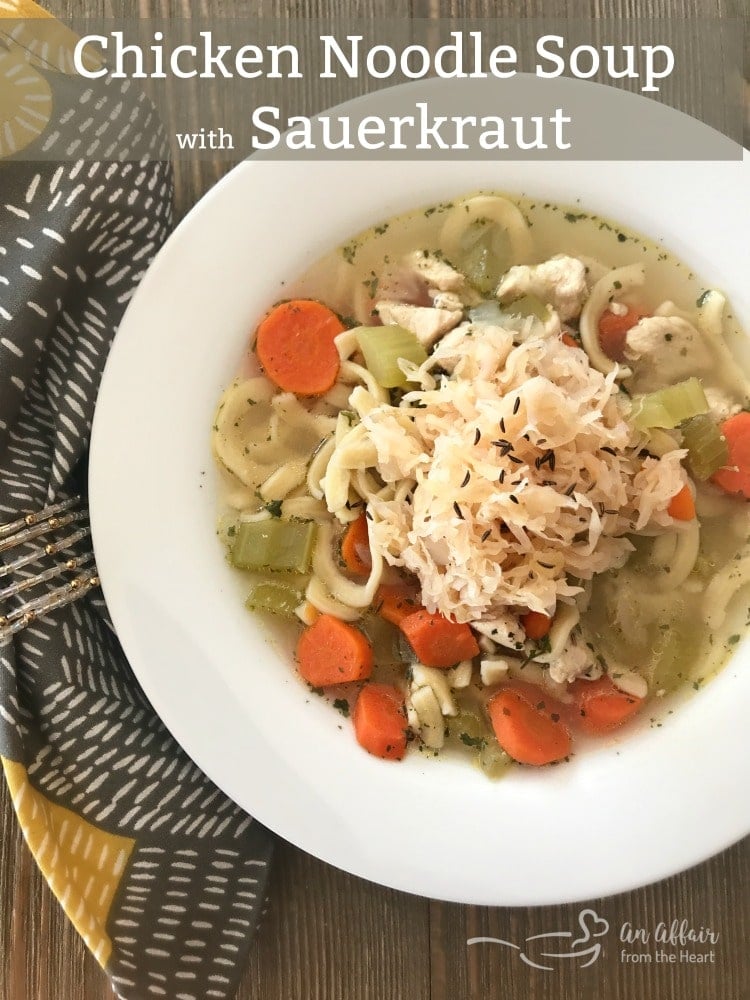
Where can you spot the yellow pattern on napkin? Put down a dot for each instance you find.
(82, 863)
(25, 103)
(22, 8)
(32, 43)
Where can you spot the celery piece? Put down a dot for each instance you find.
(382, 347)
(384, 638)
(707, 446)
(509, 314)
(278, 598)
(671, 658)
(273, 544)
(485, 255)
(478, 267)
(493, 760)
(669, 406)
(528, 305)
(469, 728)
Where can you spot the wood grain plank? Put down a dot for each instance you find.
(331, 936)
(713, 895)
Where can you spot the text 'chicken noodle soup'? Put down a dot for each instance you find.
(490, 463)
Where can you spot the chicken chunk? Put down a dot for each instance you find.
(503, 630)
(436, 273)
(665, 349)
(628, 681)
(560, 281)
(423, 279)
(571, 663)
(447, 300)
(721, 404)
(427, 324)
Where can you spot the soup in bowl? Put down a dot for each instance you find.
(621, 810)
(490, 461)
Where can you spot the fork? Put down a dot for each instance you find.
(48, 573)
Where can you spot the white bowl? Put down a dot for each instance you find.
(631, 812)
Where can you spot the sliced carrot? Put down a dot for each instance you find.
(537, 696)
(529, 734)
(333, 652)
(682, 506)
(437, 641)
(600, 706)
(735, 476)
(535, 624)
(355, 547)
(294, 343)
(380, 722)
(396, 601)
(569, 340)
(613, 330)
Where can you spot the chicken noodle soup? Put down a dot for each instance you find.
(491, 462)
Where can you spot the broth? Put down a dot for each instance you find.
(660, 619)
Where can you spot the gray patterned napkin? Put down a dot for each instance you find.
(162, 875)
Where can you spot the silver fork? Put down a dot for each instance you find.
(36, 549)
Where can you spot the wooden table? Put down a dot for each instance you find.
(329, 936)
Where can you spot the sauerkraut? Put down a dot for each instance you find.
(526, 475)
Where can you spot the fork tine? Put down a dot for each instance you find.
(50, 549)
(41, 527)
(35, 517)
(53, 599)
(44, 528)
(49, 574)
